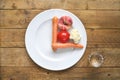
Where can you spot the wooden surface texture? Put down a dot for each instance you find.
(101, 19)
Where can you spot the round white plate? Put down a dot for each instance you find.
(38, 39)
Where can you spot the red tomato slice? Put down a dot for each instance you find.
(63, 36)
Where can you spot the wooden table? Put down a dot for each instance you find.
(102, 22)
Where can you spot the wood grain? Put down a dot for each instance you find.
(12, 37)
(101, 19)
(19, 57)
(7, 20)
(104, 4)
(65, 4)
(96, 37)
(15, 57)
(90, 18)
(30, 4)
(41, 4)
(35, 73)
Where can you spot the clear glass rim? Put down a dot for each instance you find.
(98, 54)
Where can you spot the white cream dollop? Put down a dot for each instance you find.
(75, 35)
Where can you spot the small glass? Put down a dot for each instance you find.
(96, 59)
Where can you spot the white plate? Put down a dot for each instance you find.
(38, 41)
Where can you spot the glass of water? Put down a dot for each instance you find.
(96, 59)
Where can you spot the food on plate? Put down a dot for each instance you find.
(75, 36)
(61, 36)
(67, 45)
(54, 30)
(65, 22)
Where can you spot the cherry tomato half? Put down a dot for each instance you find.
(63, 36)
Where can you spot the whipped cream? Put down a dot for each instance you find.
(75, 35)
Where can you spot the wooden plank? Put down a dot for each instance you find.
(19, 57)
(15, 57)
(7, 20)
(104, 4)
(65, 4)
(41, 4)
(96, 37)
(90, 18)
(12, 37)
(30, 73)
(77, 4)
